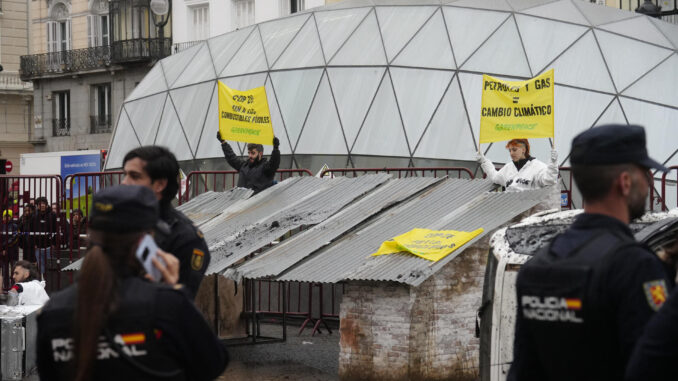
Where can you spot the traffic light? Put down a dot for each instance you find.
(3, 162)
(103, 158)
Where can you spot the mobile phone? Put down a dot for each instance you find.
(146, 251)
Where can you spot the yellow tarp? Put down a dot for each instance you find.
(433, 245)
(244, 115)
(517, 109)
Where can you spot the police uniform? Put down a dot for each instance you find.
(154, 332)
(177, 235)
(584, 300)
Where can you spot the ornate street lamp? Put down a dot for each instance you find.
(161, 10)
(650, 9)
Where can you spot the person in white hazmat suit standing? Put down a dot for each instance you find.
(525, 172)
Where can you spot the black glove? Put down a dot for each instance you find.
(219, 137)
(276, 143)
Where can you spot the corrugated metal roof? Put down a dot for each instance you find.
(336, 262)
(237, 239)
(488, 211)
(208, 205)
(290, 251)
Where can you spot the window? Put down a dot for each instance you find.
(62, 113)
(199, 22)
(58, 36)
(288, 7)
(100, 117)
(98, 30)
(243, 13)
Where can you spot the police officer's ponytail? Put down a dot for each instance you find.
(110, 256)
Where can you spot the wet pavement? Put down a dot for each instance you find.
(304, 357)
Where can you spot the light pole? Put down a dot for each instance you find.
(161, 11)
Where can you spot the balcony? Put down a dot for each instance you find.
(61, 127)
(11, 82)
(99, 57)
(100, 124)
(181, 46)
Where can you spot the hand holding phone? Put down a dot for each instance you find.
(146, 251)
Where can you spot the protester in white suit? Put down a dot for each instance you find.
(525, 172)
(27, 289)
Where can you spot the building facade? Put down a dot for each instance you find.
(16, 97)
(197, 20)
(85, 57)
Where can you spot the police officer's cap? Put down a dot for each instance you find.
(124, 208)
(612, 144)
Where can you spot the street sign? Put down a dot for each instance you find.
(8, 166)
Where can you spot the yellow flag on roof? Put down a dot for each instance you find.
(433, 245)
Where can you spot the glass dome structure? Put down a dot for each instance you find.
(397, 82)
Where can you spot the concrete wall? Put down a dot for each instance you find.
(391, 331)
(122, 84)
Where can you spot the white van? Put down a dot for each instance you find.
(510, 248)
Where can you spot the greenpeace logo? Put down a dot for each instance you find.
(551, 308)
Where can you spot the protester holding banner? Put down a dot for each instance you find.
(254, 173)
(524, 172)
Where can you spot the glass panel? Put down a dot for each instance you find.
(294, 91)
(170, 134)
(544, 40)
(335, 27)
(471, 86)
(276, 119)
(363, 47)
(449, 134)
(659, 85)
(124, 140)
(628, 59)
(559, 10)
(322, 131)
(669, 30)
(246, 82)
(350, 4)
(174, 65)
(430, 47)
(418, 93)
(354, 89)
(570, 66)
(519, 5)
(225, 46)
(145, 116)
(468, 29)
(399, 24)
(382, 134)
(249, 59)
(153, 82)
(639, 28)
(500, 5)
(199, 70)
(613, 114)
(278, 34)
(191, 104)
(304, 50)
(601, 14)
(660, 125)
(209, 146)
(501, 54)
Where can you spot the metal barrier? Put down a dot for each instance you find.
(663, 190)
(401, 172)
(34, 235)
(79, 188)
(198, 182)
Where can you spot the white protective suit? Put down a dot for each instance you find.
(533, 175)
(33, 293)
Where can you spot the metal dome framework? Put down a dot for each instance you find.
(403, 78)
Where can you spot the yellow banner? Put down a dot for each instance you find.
(244, 115)
(433, 245)
(517, 109)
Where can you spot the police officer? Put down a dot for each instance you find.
(157, 168)
(584, 300)
(255, 173)
(115, 325)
